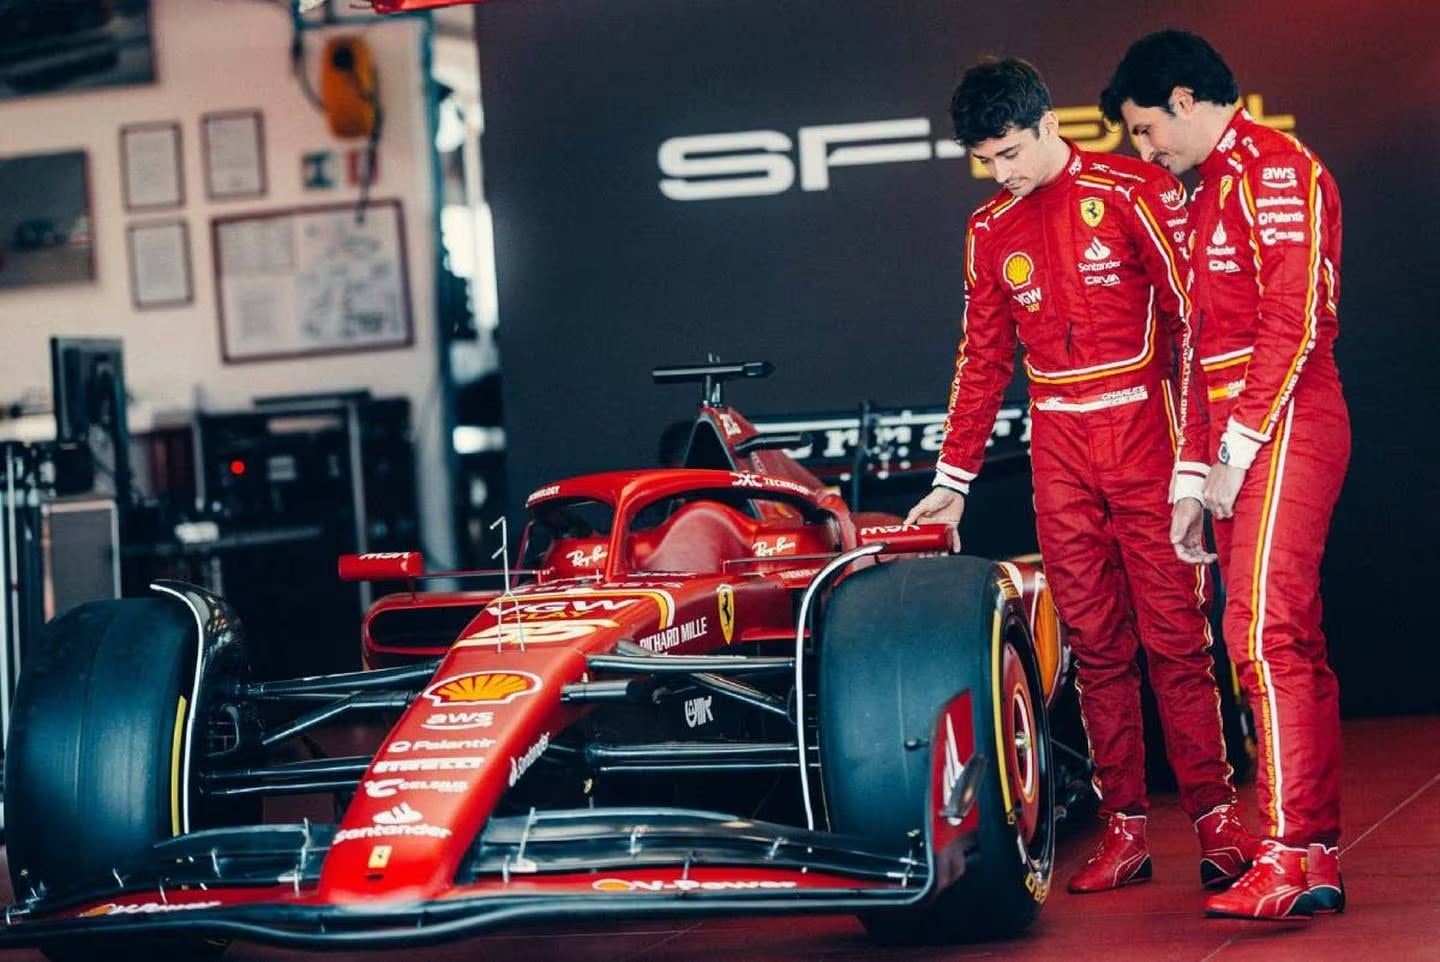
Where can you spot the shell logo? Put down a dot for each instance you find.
(613, 885)
(483, 688)
(1018, 269)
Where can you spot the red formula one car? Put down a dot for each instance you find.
(703, 690)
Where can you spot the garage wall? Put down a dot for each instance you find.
(840, 259)
(231, 56)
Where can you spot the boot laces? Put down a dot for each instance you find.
(1255, 878)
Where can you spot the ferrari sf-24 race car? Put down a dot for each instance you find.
(701, 690)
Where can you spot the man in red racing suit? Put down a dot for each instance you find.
(1264, 404)
(1077, 256)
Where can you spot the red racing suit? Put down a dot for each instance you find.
(1084, 270)
(1265, 396)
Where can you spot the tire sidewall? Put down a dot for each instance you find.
(898, 642)
(92, 753)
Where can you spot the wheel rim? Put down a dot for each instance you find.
(1021, 749)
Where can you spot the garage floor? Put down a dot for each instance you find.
(1391, 862)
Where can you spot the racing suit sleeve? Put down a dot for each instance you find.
(1283, 199)
(984, 364)
(1162, 222)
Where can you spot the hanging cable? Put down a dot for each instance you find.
(371, 96)
(297, 60)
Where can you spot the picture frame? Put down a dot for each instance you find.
(46, 223)
(160, 273)
(308, 281)
(234, 151)
(50, 48)
(152, 166)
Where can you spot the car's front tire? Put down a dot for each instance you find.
(899, 644)
(94, 772)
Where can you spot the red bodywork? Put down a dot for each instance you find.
(708, 578)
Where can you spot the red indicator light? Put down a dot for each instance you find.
(237, 467)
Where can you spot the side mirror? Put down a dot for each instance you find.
(382, 566)
(912, 538)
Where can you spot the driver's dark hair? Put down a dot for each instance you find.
(996, 95)
(1158, 63)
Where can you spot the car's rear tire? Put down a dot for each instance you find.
(93, 769)
(898, 643)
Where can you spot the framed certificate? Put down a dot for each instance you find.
(311, 280)
(151, 166)
(160, 264)
(234, 148)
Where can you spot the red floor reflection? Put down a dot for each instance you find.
(1391, 863)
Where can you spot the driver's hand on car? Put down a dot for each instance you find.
(941, 506)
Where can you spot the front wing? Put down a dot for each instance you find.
(260, 883)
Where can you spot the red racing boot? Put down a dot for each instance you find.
(1273, 889)
(1226, 848)
(1327, 888)
(1121, 858)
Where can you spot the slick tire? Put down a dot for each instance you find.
(898, 643)
(92, 773)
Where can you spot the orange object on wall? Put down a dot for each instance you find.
(348, 87)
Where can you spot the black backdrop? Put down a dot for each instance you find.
(855, 290)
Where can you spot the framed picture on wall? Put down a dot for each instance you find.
(151, 166)
(159, 254)
(234, 148)
(45, 231)
(58, 46)
(311, 280)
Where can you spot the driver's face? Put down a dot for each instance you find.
(1162, 137)
(1016, 159)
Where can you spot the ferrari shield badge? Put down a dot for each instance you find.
(725, 601)
(1092, 211)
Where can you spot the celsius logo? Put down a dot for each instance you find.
(755, 163)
